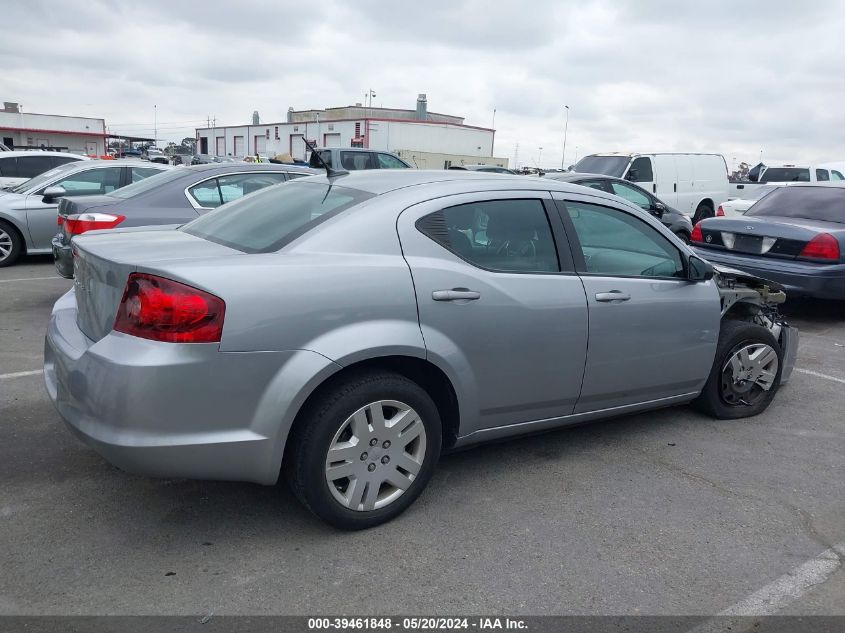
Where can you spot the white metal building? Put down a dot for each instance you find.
(386, 129)
(78, 135)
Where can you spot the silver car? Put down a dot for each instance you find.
(28, 212)
(345, 330)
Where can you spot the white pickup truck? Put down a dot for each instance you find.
(781, 174)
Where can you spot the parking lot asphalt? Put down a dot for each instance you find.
(667, 512)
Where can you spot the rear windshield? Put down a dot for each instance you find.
(267, 220)
(145, 185)
(786, 174)
(809, 203)
(607, 165)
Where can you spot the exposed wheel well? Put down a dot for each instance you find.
(426, 374)
(707, 202)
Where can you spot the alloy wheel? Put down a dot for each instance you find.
(375, 455)
(5, 245)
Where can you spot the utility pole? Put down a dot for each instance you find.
(493, 126)
(155, 125)
(565, 130)
(516, 157)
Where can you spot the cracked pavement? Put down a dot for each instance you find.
(667, 512)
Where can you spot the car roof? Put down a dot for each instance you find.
(569, 176)
(239, 166)
(44, 152)
(381, 181)
(835, 184)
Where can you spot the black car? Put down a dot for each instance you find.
(676, 221)
(794, 235)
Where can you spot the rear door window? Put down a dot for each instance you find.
(501, 235)
(206, 194)
(61, 160)
(822, 174)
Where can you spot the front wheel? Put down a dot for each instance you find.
(364, 452)
(702, 212)
(746, 372)
(11, 244)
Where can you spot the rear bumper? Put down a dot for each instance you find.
(175, 410)
(62, 258)
(819, 281)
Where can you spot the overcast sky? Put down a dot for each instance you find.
(732, 77)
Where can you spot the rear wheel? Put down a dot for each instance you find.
(746, 372)
(683, 236)
(364, 452)
(11, 244)
(702, 212)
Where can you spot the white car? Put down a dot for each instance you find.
(738, 206)
(17, 167)
(798, 173)
(155, 155)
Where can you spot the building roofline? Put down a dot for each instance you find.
(322, 121)
(40, 131)
(64, 116)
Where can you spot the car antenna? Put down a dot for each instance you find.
(331, 173)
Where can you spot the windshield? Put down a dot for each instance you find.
(607, 165)
(267, 220)
(809, 203)
(145, 185)
(786, 174)
(46, 177)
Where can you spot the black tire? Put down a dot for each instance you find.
(683, 236)
(305, 459)
(10, 237)
(717, 398)
(703, 211)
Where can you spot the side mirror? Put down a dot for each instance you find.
(633, 175)
(51, 193)
(699, 270)
(659, 209)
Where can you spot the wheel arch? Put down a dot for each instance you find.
(423, 372)
(23, 233)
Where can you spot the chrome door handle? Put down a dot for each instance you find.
(613, 295)
(455, 294)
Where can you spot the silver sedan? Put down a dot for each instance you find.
(346, 329)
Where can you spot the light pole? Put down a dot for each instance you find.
(540, 158)
(155, 126)
(565, 130)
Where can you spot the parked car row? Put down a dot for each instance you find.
(346, 328)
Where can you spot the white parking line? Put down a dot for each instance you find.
(817, 374)
(21, 374)
(780, 592)
(8, 281)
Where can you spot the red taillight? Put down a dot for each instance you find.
(161, 309)
(59, 220)
(696, 235)
(720, 212)
(78, 224)
(822, 246)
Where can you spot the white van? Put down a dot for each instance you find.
(694, 184)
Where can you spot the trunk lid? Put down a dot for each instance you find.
(763, 235)
(104, 260)
(81, 204)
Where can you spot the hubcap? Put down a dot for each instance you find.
(748, 374)
(5, 244)
(375, 455)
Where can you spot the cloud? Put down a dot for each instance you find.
(717, 76)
